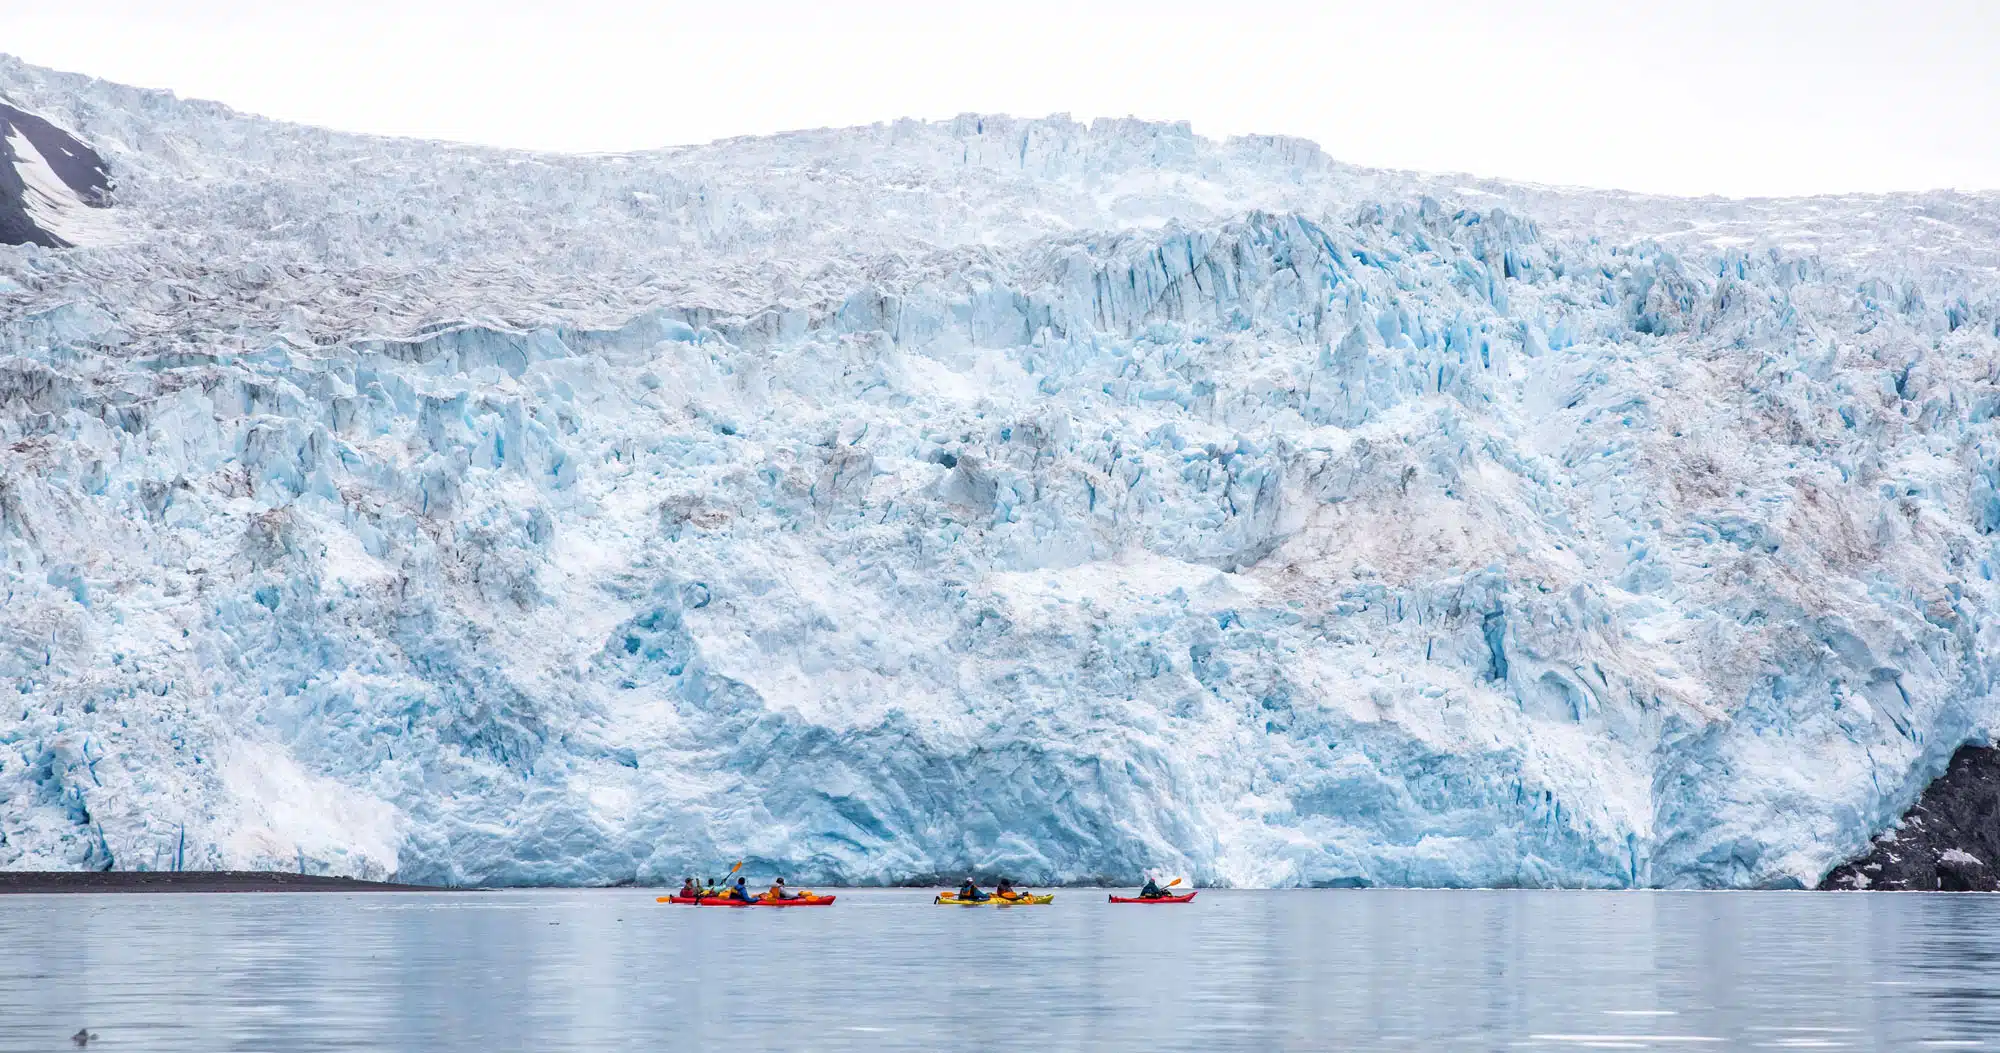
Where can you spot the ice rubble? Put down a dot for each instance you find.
(991, 494)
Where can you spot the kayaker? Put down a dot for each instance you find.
(740, 891)
(1006, 890)
(970, 891)
(1152, 891)
(688, 891)
(777, 891)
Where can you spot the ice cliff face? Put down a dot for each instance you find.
(1006, 495)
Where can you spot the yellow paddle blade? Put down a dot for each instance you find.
(664, 899)
(1174, 882)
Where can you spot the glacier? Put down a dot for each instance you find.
(988, 495)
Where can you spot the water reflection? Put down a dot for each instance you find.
(1321, 970)
(1957, 954)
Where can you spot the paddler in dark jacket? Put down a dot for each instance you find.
(740, 891)
(1152, 891)
(970, 891)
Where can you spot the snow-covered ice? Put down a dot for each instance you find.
(1019, 495)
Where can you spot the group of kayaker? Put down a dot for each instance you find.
(737, 893)
(968, 893)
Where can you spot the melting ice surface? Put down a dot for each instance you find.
(1009, 495)
(560, 971)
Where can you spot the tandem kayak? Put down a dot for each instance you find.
(996, 901)
(1161, 899)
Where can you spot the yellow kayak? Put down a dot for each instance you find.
(950, 900)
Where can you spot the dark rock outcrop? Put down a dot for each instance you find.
(81, 178)
(1949, 841)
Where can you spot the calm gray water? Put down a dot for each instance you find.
(885, 970)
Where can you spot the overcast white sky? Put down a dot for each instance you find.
(1689, 96)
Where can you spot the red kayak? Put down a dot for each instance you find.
(1161, 899)
(732, 901)
(802, 901)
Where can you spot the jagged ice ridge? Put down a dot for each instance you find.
(1005, 495)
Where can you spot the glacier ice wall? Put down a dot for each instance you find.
(1017, 496)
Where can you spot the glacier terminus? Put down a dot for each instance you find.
(987, 495)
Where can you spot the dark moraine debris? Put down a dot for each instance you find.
(1949, 841)
(192, 881)
(47, 176)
